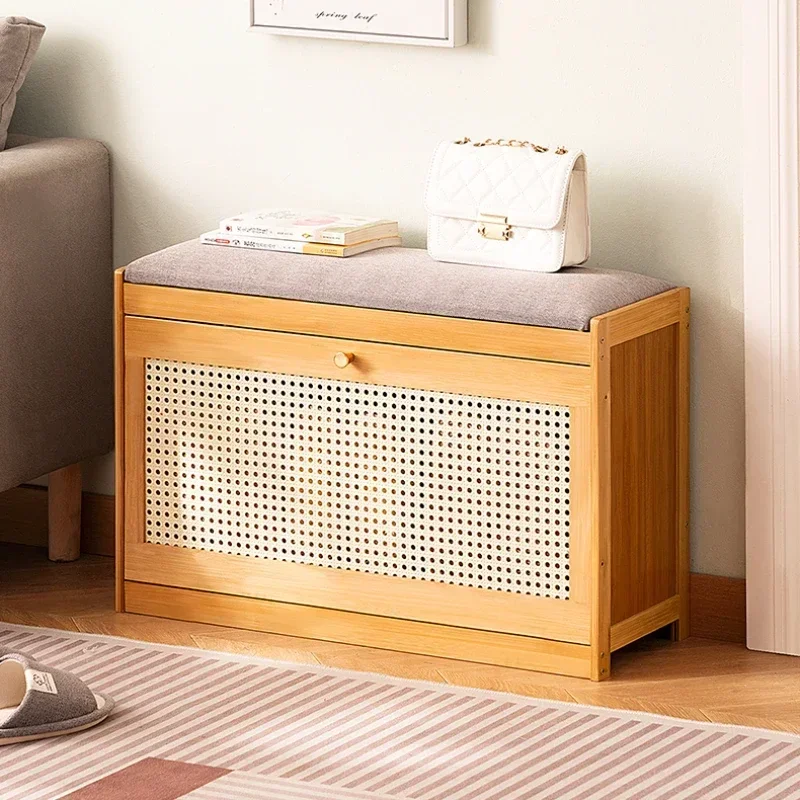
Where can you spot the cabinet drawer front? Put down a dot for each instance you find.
(410, 367)
(405, 482)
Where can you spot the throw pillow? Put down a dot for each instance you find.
(19, 41)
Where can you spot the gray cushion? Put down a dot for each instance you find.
(19, 41)
(401, 279)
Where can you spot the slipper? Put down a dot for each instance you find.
(37, 702)
(5, 651)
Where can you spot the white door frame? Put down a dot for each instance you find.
(772, 323)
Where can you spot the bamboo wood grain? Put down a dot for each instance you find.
(134, 459)
(435, 361)
(341, 626)
(644, 471)
(601, 575)
(392, 327)
(349, 590)
(643, 317)
(682, 466)
(64, 513)
(580, 507)
(647, 621)
(381, 364)
(119, 435)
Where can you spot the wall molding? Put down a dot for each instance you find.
(772, 323)
(717, 608)
(717, 604)
(23, 519)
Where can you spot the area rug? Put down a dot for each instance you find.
(210, 726)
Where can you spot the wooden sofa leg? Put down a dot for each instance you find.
(64, 513)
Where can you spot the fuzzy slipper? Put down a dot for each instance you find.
(37, 702)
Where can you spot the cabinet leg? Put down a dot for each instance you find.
(64, 514)
(679, 630)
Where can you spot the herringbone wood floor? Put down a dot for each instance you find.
(695, 679)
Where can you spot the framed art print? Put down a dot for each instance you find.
(436, 23)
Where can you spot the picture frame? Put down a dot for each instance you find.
(431, 23)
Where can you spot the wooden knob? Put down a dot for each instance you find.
(343, 359)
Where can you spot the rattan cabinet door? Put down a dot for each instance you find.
(421, 484)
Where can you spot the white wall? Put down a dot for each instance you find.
(205, 119)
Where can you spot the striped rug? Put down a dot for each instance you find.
(208, 726)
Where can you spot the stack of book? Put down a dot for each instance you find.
(310, 233)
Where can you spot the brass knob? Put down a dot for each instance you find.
(343, 359)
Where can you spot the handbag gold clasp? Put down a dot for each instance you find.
(493, 226)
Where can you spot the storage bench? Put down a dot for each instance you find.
(472, 463)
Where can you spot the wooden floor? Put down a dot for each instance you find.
(696, 679)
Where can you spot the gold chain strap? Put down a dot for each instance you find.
(560, 151)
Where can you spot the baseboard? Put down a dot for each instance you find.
(717, 603)
(23, 519)
(718, 608)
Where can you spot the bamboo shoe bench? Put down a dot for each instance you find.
(473, 463)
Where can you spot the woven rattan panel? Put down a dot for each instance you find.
(442, 487)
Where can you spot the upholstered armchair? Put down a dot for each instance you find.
(56, 352)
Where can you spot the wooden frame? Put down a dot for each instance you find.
(647, 417)
(416, 368)
(119, 434)
(389, 327)
(577, 369)
(456, 11)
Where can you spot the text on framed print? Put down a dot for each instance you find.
(437, 23)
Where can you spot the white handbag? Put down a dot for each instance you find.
(508, 203)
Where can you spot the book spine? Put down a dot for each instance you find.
(283, 246)
(288, 234)
(324, 250)
(330, 238)
(223, 240)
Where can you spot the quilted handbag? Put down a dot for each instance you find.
(508, 203)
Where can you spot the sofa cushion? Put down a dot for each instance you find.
(19, 41)
(56, 372)
(401, 279)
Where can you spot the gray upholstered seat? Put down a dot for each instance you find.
(401, 279)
